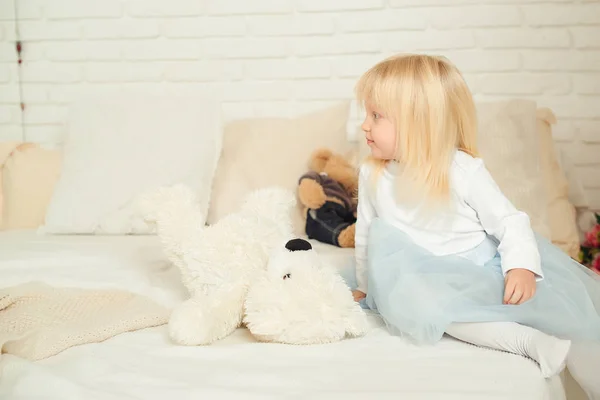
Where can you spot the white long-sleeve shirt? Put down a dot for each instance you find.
(478, 208)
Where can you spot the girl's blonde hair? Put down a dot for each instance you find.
(433, 112)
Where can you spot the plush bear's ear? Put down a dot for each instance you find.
(319, 159)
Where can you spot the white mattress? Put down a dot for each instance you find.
(145, 365)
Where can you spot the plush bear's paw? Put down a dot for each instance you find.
(311, 194)
(188, 325)
(346, 237)
(356, 322)
(205, 319)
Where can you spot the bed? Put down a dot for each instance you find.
(146, 365)
(68, 223)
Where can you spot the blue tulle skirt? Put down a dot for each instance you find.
(419, 294)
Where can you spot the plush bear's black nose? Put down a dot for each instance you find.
(298, 245)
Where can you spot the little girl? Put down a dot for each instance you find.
(439, 248)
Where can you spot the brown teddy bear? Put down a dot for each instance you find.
(328, 192)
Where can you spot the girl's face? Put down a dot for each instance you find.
(380, 134)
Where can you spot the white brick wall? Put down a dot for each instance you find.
(11, 127)
(284, 57)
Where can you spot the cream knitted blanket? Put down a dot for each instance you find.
(39, 321)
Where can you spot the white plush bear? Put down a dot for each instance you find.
(249, 269)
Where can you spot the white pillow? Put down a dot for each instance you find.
(120, 145)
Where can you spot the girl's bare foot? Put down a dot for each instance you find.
(358, 295)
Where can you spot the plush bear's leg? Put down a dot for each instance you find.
(179, 223)
(206, 319)
(346, 237)
(356, 321)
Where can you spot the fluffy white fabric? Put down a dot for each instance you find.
(121, 144)
(220, 263)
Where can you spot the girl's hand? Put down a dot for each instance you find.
(358, 295)
(519, 286)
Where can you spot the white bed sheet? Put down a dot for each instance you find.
(145, 365)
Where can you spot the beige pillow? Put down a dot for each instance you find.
(272, 152)
(6, 149)
(509, 145)
(28, 178)
(561, 213)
